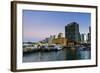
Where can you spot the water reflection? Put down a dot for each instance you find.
(65, 54)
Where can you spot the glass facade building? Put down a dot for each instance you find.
(72, 32)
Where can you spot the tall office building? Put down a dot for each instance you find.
(72, 32)
(85, 37)
(82, 38)
(89, 36)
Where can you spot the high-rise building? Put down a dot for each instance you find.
(89, 36)
(82, 38)
(89, 29)
(72, 32)
(85, 37)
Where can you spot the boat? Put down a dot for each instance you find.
(84, 48)
(54, 47)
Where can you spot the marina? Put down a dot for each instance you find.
(60, 55)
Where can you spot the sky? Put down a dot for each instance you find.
(38, 25)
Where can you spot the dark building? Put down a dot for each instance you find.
(89, 36)
(72, 32)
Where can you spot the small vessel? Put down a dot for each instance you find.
(54, 47)
(84, 48)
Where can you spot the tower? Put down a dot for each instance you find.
(72, 32)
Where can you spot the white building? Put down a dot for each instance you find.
(84, 38)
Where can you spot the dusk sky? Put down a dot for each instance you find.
(38, 25)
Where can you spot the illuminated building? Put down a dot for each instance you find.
(60, 40)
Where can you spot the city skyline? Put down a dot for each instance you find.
(38, 25)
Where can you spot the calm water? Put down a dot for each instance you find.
(65, 54)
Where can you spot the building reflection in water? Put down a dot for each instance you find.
(77, 54)
(62, 55)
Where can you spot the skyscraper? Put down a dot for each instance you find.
(72, 32)
(89, 36)
(82, 38)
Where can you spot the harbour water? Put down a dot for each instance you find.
(62, 55)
